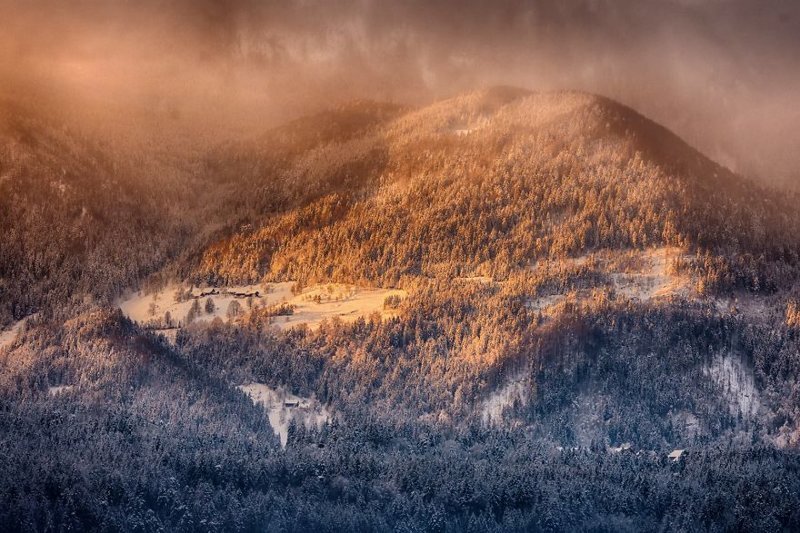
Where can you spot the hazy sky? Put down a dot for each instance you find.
(724, 74)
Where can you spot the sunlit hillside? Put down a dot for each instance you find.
(504, 311)
(494, 181)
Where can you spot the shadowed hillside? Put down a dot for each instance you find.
(74, 222)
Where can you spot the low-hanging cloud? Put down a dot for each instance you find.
(724, 74)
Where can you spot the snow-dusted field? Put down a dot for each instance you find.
(640, 275)
(9, 335)
(283, 407)
(652, 278)
(737, 382)
(147, 308)
(345, 302)
(477, 279)
(503, 398)
(310, 307)
(60, 389)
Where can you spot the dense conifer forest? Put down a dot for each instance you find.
(584, 294)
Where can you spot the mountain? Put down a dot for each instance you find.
(493, 181)
(503, 311)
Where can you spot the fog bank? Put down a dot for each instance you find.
(724, 74)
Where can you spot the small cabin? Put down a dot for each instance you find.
(291, 403)
(236, 294)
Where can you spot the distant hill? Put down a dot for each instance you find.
(489, 182)
(481, 184)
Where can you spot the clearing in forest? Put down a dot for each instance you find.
(177, 305)
(9, 335)
(645, 275)
(345, 302)
(283, 407)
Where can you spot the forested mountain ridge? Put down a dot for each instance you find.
(373, 192)
(268, 171)
(495, 180)
(583, 294)
(74, 222)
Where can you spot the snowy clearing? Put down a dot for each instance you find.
(59, 389)
(754, 307)
(8, 336)
(502, 398)
(177, 300)
(171, 308)
(737, 382)
(476, 279)
(637, 275)
(543, 303)
(650, 277)
(345, 302)
(283, 407)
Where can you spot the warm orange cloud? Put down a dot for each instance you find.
(724, 74)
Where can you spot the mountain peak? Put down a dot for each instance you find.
(491, 181)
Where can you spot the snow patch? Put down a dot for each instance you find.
(636, 275)
(283, 407)
(652, 279)
(494, 406)
(543, 303)
(737, 382)
(151, 308)
(8, 336)
(486, 280)
(754, 307)
(59, 389)
(345, 302)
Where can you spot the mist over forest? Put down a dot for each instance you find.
(723, 74)
(413, 266)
